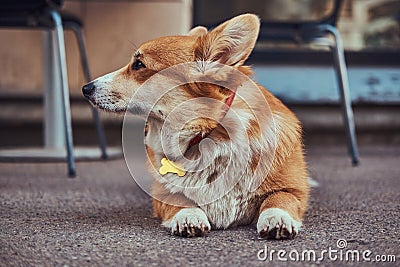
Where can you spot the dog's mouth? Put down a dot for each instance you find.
(112, 110)
(137, 109)
(106, 106)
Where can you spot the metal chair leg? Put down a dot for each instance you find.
(85, 65)
(54, 133)
(59, 53)
(341, 74)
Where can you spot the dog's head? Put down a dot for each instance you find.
(230, 44)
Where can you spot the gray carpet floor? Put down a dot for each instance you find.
(102, 218)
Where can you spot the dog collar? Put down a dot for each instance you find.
(228, 102)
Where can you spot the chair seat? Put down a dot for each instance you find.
(301, 32)
(26, 6)
(34, 19)
(32, 14)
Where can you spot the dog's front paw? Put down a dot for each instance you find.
(189, 222)
(276, 223)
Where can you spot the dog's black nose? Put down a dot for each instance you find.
(88, 89)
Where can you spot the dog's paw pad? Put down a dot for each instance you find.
(189, 222)
(276, 223)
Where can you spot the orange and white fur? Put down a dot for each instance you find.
(278, 204)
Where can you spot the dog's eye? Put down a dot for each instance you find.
(137, 65)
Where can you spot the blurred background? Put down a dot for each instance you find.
(114, 29)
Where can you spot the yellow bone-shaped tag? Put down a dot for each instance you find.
(169, 166)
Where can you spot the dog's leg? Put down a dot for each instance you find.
(183, 219)
(280, 216)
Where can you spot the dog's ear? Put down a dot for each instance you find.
(231, 42)
(198, 31)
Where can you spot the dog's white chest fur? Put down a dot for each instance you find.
(223, 189)
(242, 210)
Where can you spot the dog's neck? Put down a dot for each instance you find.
(171, 142)
(228, 103)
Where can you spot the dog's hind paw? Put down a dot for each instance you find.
(189, 222)
(276, 223)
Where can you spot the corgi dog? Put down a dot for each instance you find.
(233, 155)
